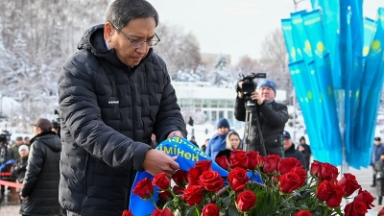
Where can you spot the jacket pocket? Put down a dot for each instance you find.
(273, 140)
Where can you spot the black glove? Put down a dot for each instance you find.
(238, 89)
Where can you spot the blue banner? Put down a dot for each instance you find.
(187, 155)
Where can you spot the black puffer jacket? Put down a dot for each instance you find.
(272, 119)
(42, 177)
(19, 168)
(109, 112)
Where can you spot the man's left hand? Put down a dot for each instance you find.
(176, 134)
(23, 198)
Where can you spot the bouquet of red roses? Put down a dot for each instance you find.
(286, 190)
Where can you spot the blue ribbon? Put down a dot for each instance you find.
(187, 155)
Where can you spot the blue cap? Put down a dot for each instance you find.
(287, 135)
(223, 123)
(269, 83)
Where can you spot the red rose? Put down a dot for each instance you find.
(193, 176)
(144, 189)
(246, 200)
(193, 194)
(164, 212)
(365, 197)
(178, 190)
(301, 173)
(286, 164)
(330, 193)
(211, 181)
(254, 159)
(355, 208)
(203, 165)
(381, 212)
(161, 181)
(222, 161)
(303, 213)
(329, 172)
(211, 210)
(180, 177)
(270, 163)
(127, 213)
(165, 195)
(238, 179)
(349, 184)
(238, 158)
(289, 182)
(315, 167)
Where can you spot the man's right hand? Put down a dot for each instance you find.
(157, 161)
(239, 86)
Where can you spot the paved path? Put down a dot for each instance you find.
(363, 176)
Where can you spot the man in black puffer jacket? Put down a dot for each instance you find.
(272, 117)
(40, 190)
(113, 94)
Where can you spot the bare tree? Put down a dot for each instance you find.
(274, 60)
(247, 65)
(180, 51)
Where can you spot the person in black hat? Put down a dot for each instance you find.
(272, 118)
(377, 149)
(290, 151)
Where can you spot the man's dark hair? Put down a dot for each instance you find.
(121, 12)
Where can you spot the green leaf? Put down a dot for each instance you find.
(232, 211)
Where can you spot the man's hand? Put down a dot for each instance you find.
(157, 161)
(239, 86)
(176, 134)
(256, 96)
(23, 198)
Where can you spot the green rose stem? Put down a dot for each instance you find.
(197, 210)
(153, 202)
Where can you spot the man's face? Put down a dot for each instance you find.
(287, 143)
(19, 142)
(223, 130)
(140, 29)
(268, 93)
(377, 142)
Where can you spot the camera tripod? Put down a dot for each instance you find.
(249, 104)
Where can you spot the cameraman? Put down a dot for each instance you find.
(272, 118)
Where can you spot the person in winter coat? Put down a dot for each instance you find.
(40, 190)
(379, 170)
(218, 142)
(290, 151)
(19, 168)
(114, 93)
(272, 117)
(377, 149)
(305, 149)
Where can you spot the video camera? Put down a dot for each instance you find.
(249, 85)
(5, 136)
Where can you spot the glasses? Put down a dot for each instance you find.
(138, 43)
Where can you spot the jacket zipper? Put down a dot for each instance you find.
(133, 104)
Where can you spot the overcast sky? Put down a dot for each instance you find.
(235, 27)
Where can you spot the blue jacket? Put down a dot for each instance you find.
(376, 152)
(215, 145)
